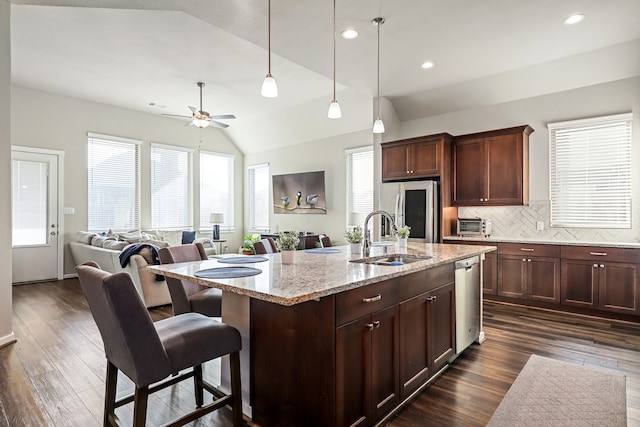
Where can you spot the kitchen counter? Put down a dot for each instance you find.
(496, 239)
(315, 275)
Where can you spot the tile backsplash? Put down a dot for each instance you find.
(520, 222)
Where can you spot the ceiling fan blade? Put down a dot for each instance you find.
(194, 110)
(189, 123)
(223, 116)
(218, 124)
(177, 115)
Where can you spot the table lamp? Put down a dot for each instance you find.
(216, 219)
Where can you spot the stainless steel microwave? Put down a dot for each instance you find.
(474, 227)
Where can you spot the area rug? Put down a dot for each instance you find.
(549, 392)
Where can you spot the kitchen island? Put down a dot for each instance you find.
(332, 340)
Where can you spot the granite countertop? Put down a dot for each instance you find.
(496, 239)
(315, 275)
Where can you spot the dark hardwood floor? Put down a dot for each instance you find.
(54, 374)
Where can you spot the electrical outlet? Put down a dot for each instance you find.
(540, 225)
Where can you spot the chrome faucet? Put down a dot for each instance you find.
(366, 248)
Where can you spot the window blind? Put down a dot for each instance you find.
(113, 183)
(590, 172)
(171, 187)
(216, 188)
(359, 185)
(259, 198)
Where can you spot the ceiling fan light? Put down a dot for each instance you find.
(269, 87)
(201, 123)
(378, 126)
(334, 110)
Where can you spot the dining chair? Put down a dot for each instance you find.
(325, 241)
(187, 296)
(265, 246)
(148, 352)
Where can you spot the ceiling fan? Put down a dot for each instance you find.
(201, 118)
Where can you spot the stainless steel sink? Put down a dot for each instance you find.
(393, 260)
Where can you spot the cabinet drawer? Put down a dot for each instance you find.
(353, 304)
(527, 249)
(601, 254)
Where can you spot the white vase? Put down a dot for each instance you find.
(288, 257)
(356, 248)
(402, 242)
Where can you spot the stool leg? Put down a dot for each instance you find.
(110, 394)
(140, 406)
(236, 389)
(197, 385)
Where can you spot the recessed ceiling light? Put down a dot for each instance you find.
(349, 34)
(574, 19)
(427, 64)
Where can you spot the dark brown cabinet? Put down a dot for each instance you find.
(427, 336)
(367, 384)
(491, 168)
(422, 157)
(529, 271)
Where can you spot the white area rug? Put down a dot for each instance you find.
(549, 392)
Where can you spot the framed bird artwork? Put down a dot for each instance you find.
(299, 193)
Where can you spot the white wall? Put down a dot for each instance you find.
(326, 155)
(6, 334)
(62, 124)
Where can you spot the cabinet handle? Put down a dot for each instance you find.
(598, 253)
(407, 172)
(431, 298)
(601, 265)
(481, 199)
(529, 260)
(524, 259)
(372, 299)
(595, 265)
(527, 249)
(376, 324)
(370, 326)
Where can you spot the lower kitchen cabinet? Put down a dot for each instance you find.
(427, 336)
(367, 368)
(533, 278)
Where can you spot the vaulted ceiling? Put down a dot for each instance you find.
(136, 52)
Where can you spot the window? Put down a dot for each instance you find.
(590, 172)
(216, 188)
(359, 185)
(171, 187)
(259, 198)
(114, 183)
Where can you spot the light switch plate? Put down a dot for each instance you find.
(69, 211)
(540, 225)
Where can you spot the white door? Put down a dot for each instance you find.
(34, 196)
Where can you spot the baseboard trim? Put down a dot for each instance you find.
(70, 276)
(7, 340)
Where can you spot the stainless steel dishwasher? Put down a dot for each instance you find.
(467, 302)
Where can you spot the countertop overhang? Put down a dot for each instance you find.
(316, 275)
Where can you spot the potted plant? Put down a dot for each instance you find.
(354, 236)
(403, 235)
(287, 243)
(249, 240)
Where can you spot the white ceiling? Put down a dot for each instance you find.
(129, 53)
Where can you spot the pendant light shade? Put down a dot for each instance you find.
(269, 87)
(334, 108)
(378, 125)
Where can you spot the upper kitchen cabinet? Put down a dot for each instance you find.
(492, 168)
(415, 158)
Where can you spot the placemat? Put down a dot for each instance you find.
(242, 259)
(227, 272)
(323, 251)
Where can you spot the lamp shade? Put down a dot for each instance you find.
(269, 87)
(201, 123)
(334, 110)
(378, 126)
(216, 218)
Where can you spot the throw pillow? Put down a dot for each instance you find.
(188, 237)
(84, 237)
(114, 245)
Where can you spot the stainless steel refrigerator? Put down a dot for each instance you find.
(416, 204)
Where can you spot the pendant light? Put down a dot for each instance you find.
(378, 126)
(334, 108)
(269, 87)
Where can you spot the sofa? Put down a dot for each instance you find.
(105, 249)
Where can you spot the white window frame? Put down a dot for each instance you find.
(172, 206)
(590, 172)
(259, 198)
(356, 214)
(207, 208)
(118, 175)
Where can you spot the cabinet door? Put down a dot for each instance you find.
(385, 385)
(414, 344)
(543, 276)
(490, 274)
(353, 379)
(511, 276)
(469, 176)
(618, 288)
(442, 325)
(504, 170)
(394, 162)
(579, 283)
(424, 159)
